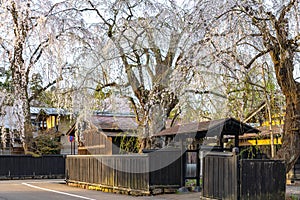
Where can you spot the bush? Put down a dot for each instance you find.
(46, 144)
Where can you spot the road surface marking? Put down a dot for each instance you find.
(58, 192)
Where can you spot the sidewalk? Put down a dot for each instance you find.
(293, 191)
(179, 196)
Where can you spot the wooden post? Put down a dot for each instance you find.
(74, 147)
(183, 162)
(268, 103)
(71, 147)
(221, 142)
(198, 169)
(236, 140)
(236, 161)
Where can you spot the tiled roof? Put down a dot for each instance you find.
(264, 132)
(123, 123)
(118, 133)
(48, 111)
(112, 124)
(228, 126)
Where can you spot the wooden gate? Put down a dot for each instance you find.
(220, 176)
(226, 177)
(191, 166)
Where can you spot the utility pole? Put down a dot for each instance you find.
(268, 102)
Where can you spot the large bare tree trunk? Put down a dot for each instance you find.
(20, 75)
(290, 149)
(154, 121)
(283, 64)
(21, 102)
(282, 49)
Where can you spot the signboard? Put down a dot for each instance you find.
(71, 138)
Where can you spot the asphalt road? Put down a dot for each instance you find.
(57, 190)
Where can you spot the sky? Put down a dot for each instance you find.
(297, 73)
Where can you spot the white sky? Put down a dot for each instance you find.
(297, 73)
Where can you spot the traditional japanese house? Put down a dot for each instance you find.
(50, 118)
(222, 134)
(263, 138)
(194, 139)
(106, 134)
(44, 121)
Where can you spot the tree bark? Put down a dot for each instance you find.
(284, 67)
(276, 38)
(20, 75)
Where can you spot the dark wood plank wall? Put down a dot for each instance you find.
(295, 172)
(135, 171)
(26, 166)
(124, 172)
(166, 168)
(262, 179)
(227, 177)
(220, 176)
(97, 143)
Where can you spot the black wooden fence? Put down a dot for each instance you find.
(226, 177)
(220, 176)
(294, 174)
(26, 166)
(262, 179)
(147, 173)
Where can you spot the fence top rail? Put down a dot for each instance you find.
(219, 154)
(109, 156)
(263, 160)
(40, 156)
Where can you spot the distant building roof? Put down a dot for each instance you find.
(48, 111)
(112, 124)
(9, 117)
(227, 126)
(265, 132)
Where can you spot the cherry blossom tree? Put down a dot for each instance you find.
(245, 34)
(32, 40)
(140, 43)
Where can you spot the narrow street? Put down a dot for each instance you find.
(57, 190)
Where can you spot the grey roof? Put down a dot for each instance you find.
(227, 126)
(10, 118)
(48, 111)
(114, 122)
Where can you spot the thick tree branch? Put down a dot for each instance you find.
(286, 9)
(135, 109)
(206, 92)
(38, 52)
(113, 84)
(99, 14)
(149, 70)
(255, 58)
(154, 48)
(38, 92)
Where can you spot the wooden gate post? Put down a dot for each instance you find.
(236, 161)
(183, 163)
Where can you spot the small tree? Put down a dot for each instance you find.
(46, 144)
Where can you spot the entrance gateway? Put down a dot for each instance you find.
(197, 138)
